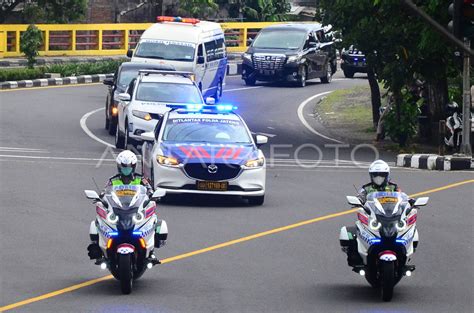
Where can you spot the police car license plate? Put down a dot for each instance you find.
(212, 185)
(267, 72)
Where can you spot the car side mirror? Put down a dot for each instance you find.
(210, 101)
(148, 136)
(261, 140)
(129, 53)
(421, 201)
(124, 96)
(353, 201)
(159, 193)
(108, 82)
(200, 59)
(91, 194)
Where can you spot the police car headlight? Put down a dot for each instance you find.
(255, 163)
(247, 56)
(168, 161)
(143, 115)
(293, 58)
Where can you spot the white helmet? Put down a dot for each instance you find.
(379, 172)
(126, 162)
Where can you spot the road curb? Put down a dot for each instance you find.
(232, 69)
(43, 82)
(434, 162)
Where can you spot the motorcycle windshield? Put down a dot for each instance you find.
(387, 204)
(126, 197)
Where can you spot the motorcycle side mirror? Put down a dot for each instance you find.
(353, 201)
(159, 193)
(421, 201)
(91, 194)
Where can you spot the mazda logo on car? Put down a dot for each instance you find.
(212, 168)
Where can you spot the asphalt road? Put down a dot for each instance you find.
(47, 160)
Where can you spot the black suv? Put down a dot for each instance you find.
(290, 52)
(353, 61)
(122, 78)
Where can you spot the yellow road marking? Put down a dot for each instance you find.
(215, 247)
(49, 87)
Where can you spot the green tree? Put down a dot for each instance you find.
(198, 8)
(400, 49)
(265, 10)
(30, 43)
(46, 11)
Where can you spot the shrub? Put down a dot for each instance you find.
(21, 74)
(30, 42)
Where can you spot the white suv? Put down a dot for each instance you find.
(145, 100)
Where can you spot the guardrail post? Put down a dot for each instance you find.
(99, 42)
(244, 40)
(3, 43)
(73, 40)
(17, 41)
(126, 39)
(46, 41)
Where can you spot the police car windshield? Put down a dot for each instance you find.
(168, 92)
(166, 50)
(280, 39)
(209, 130)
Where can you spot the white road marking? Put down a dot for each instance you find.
(306, 124)
(83, 123)
(15, 149)
(243, 88)
(54, 158)
(264, 134)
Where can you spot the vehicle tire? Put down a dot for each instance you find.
(126, 137)
(112, 126)
(387, 274)
(303, 77)
(125, 273)
(218, 94)
(250, 81)
(348, 74)
(333, 67)
(256, 200)
(327, 79)
(119, 139)
(107, 123)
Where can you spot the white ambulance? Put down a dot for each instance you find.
(188, 45)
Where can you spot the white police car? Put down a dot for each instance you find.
(201, 149)
(144, 103)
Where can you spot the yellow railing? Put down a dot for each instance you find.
(105, 39)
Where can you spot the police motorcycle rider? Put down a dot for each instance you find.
(126, 164)
(379, 173)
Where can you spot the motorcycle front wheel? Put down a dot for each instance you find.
(387, 274)
(125, 273)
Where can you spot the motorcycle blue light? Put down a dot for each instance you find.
(374, 241)
(402, 241)
(113, 233)
(356, 59)
(137, 232)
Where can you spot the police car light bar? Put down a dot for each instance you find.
(202, 107)
(162, 72)
(177, 19)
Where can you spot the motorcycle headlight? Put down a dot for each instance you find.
(293, 58)
(143, 115)
(138, 217)
(112, 218)
(256, 163)
(168, 161)
(401, 225)
(247, 56)
(374, 224)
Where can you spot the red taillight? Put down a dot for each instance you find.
(177, 19)
(363, 219)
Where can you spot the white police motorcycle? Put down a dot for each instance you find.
(127, 230)
(384, 238)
